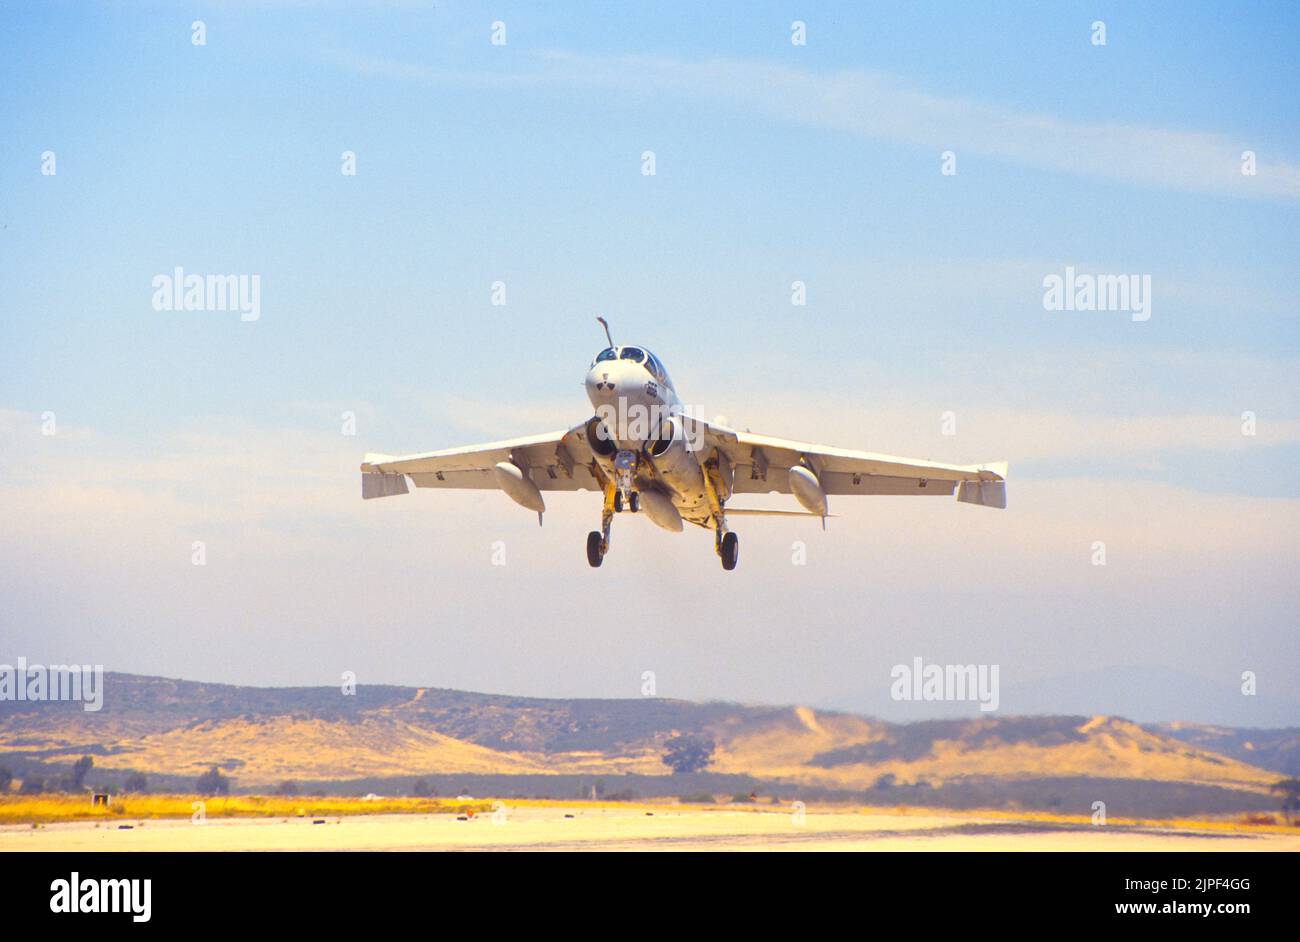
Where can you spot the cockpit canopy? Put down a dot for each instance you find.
(636, 355)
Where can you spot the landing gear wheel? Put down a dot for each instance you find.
(595, 551)
(635, 502)
(618, 502)
(729, 550)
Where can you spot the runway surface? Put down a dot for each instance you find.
(604, 828)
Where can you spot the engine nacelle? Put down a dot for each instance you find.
(807, 490)
(600, 439)
(518, 486)
(673, 459)
(659, 508)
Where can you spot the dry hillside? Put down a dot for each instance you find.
(262, 736)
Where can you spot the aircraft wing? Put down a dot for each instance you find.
(554, 461)
(762, 464)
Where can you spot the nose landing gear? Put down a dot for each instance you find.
(625, 466)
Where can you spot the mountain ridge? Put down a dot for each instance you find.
(262, 735)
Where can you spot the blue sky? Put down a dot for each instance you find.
(775, 163)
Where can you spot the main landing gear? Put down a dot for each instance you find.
(596, 547)
(598, 540)
(618, 495)
(727, 545)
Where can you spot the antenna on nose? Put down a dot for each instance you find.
(606, 326)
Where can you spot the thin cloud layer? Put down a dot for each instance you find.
(883, 107)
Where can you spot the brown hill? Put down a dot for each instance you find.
(263, 735)
(1276, 749)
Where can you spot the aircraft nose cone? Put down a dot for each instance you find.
(601, 387)
(617, 385)
(623, 385)
(610, 378)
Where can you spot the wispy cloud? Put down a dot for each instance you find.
(879, 106)
(884, 107)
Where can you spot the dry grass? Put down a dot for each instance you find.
(40, 809)
(1227, 823)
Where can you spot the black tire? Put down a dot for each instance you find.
(730, 551)
(618, 502)
(635, 502)
(594, 555)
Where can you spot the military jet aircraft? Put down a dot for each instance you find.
(644, 454)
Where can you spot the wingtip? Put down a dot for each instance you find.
(372, 459)
(996, 467)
